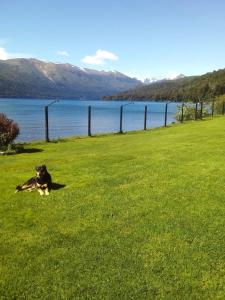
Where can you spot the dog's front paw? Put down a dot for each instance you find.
(41, 192)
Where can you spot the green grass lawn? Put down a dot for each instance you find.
(142, 216)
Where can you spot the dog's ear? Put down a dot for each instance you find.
(39, 168)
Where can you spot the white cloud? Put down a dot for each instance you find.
(99, 58)
(3, 54)
(6, 55)
(63, 53)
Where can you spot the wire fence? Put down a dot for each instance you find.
(46, 120)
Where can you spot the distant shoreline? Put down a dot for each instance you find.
(87, 99)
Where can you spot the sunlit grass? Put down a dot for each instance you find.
(141, 217)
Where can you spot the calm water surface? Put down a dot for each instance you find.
(70, 117)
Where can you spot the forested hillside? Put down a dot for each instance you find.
(193, 88)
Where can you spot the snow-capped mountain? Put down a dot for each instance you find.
(32, 78)
(154, 79)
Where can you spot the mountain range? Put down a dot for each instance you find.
(32, 78)
(190, 88)
(155, 79)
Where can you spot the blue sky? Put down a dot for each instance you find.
(143, 38)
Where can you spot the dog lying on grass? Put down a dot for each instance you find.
(42, 182)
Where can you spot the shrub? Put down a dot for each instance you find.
(189, 112)
(9, 130)
(219, 104)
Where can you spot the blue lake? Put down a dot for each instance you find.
(70, 117)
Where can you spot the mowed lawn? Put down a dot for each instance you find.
(142, 216)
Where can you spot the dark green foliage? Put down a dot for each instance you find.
(9, 130)
(219, 104)
(190, 113)
(194, 88)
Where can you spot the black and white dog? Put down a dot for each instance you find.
(42, 182)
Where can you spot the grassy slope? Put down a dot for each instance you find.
(141, 217)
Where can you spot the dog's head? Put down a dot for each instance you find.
(41, 171)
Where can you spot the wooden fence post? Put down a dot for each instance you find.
(145, 117)
(196, 110)
(46, 125)
(121, 119)
(165, 121)
(89, 120)
(182, 113)
(201, 109)
(213, 107)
